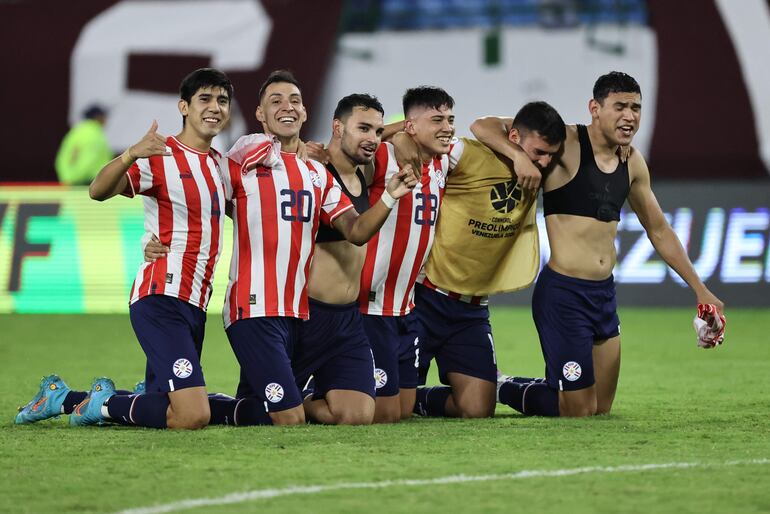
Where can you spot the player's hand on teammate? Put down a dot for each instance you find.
(317, 151)
(402, 183)
(407, 152)
(302, 152)
(154, 250)
(528, 176)
(151, 144)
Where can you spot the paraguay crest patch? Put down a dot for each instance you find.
(183, 368)
(274, 392)
(572, 371)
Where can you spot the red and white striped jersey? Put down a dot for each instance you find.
(183, 199)
(276, 212)
(395, 255)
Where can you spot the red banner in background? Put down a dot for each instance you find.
(131, 55)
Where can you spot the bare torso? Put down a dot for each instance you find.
(581, 247)
(335, 273)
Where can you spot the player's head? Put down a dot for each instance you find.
(95, 112)
(540, 132)
(429, 118)
(616, 107)
(280, 109)
(358, 125)
(204, 101)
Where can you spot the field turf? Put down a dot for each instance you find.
(689, 432)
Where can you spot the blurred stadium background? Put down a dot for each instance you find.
(702, 65)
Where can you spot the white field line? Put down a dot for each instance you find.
(262, 494)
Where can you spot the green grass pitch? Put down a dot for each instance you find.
(689, 432)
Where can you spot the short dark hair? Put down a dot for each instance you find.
(615, 82)
(427, 96)
(94, 111)
(278, 76)
(345, 105)
(543, 119)
(203, 78)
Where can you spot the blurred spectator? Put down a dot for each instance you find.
(84, 150)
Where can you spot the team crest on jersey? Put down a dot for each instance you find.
(183, 368)
(572, 371)
(438, 174)
(380, 378)
(315, 178)
(274, 392)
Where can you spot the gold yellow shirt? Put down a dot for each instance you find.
(486, 239)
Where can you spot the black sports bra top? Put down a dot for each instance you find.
(326, 233)
(591, 192)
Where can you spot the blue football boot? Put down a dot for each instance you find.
(46, 403)
(89, 411)
(140, 387)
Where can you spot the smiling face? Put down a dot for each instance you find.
(207, 112)
(360, 134)
(617, 116)
(431, 128)
(281, 111)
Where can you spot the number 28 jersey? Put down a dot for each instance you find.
(395, 255)
(276, 212)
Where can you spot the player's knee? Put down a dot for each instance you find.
(192, 420)
(475, 409)
(387, 415)
(354, 417)
(387, 410)
(603, 408)
(295, 416)
(407, 410)
(577, 409)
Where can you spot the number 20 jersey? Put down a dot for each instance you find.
(276, 212)
(395, 255)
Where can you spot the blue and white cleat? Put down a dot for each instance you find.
(140, 387)
(89, 411)
(47, 402)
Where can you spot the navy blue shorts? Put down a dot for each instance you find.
(333, 347)
(263, 347)
(171, 334)
(394, 344)
(457, 334)
(571, 314)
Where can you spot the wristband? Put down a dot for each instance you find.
(388, 200)
(126, 158)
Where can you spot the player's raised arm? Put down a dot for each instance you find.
(495, 133)
(112, 180)
(407, 152)
(391, 129)
(360, 229)
(659, 231)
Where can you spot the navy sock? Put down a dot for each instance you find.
(72, 400)
(431, 401)
(533, 398)
(119, 408)
(237, 412)
(143, 410)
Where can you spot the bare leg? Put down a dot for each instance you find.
(471, 397)
(188, 409)
(341, 407)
